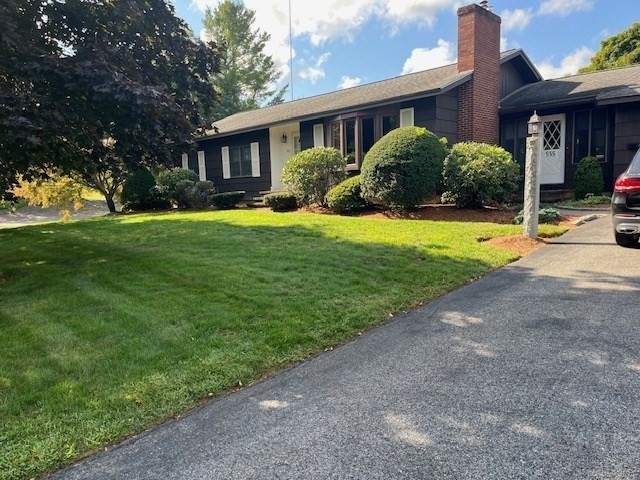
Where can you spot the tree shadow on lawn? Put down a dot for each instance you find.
(108, 328)
(518, 385)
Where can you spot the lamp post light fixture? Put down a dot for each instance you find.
(283, 139)
(532, 177)
(533, 126)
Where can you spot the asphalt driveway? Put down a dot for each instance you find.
(530, 372)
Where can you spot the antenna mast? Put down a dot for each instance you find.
(290, 53)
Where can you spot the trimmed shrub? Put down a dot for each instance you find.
(545, 215)
(346, 196)
(190, 194)
(310, 174)
(402, 168)
(281, 201)
(227, 200)
(588, 178)
(138, 192)
(476, 174)
(167, 180)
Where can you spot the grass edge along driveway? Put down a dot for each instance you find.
(111, 325)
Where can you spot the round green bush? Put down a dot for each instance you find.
(138, 192)
(402, 168)
(588, 178)
(346, 196)
(167, 180)
(281, 201)
(476, 174)
(227, 200)
(310, 174)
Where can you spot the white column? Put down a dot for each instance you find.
(532, 187)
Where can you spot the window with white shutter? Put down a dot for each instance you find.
(406, 117)
(185, 160)
(255, 159)
(318, 135)
(226, 170)
(202, 167)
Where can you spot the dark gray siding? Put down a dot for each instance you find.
(424, 112)
(510, 79)
(627, 131)
(306, 133)
(213, 159)
(447, 116)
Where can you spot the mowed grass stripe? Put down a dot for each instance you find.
(113, 324)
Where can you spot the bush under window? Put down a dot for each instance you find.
(588, 178)
(476, 174)
(227, 200)
(346, 196)
(167, 181)
(281, 201)
(402, 168)
(310, 174)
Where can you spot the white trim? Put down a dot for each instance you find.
(318, 135)
(185, 161)
(226, 168)
(407, 117)
(255, 159)
(202, 166)
(552, 163)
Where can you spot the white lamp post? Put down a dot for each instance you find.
(532, 177)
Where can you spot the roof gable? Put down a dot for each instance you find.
(594, 87)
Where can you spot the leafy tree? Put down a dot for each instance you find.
(618, 50)
(246, 73)
(99, 88)
(54, 191)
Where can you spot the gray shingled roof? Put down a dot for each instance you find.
(605, 85)
(397, 88)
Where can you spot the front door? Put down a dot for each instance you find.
(552, 151)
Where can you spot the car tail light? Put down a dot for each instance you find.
(627, 185)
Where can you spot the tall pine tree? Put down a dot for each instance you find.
(247, 74)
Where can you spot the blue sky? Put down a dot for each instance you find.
(342, 43)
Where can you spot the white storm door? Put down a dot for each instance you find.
(552, 151)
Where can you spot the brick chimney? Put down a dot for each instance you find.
(479, 50)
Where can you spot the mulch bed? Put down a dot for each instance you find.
(444, 213)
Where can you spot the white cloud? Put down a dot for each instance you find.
(331, 19)
(562, 8)
(348, 82)
(414, 11)
(504, 44)
(426, 58)
(569, 64)
(516, 19)
(315, 72)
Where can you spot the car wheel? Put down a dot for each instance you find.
(626, 240)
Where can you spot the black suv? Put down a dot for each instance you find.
(625, 205)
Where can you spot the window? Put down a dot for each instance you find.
(514, 139)
(368, 135)
(240, 161)
(335, 136)
(350, 141)
(589, 135)
(389, 122)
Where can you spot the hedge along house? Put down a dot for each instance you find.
(593, 114)
(247, 151)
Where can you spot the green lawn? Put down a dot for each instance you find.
(113, 324)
